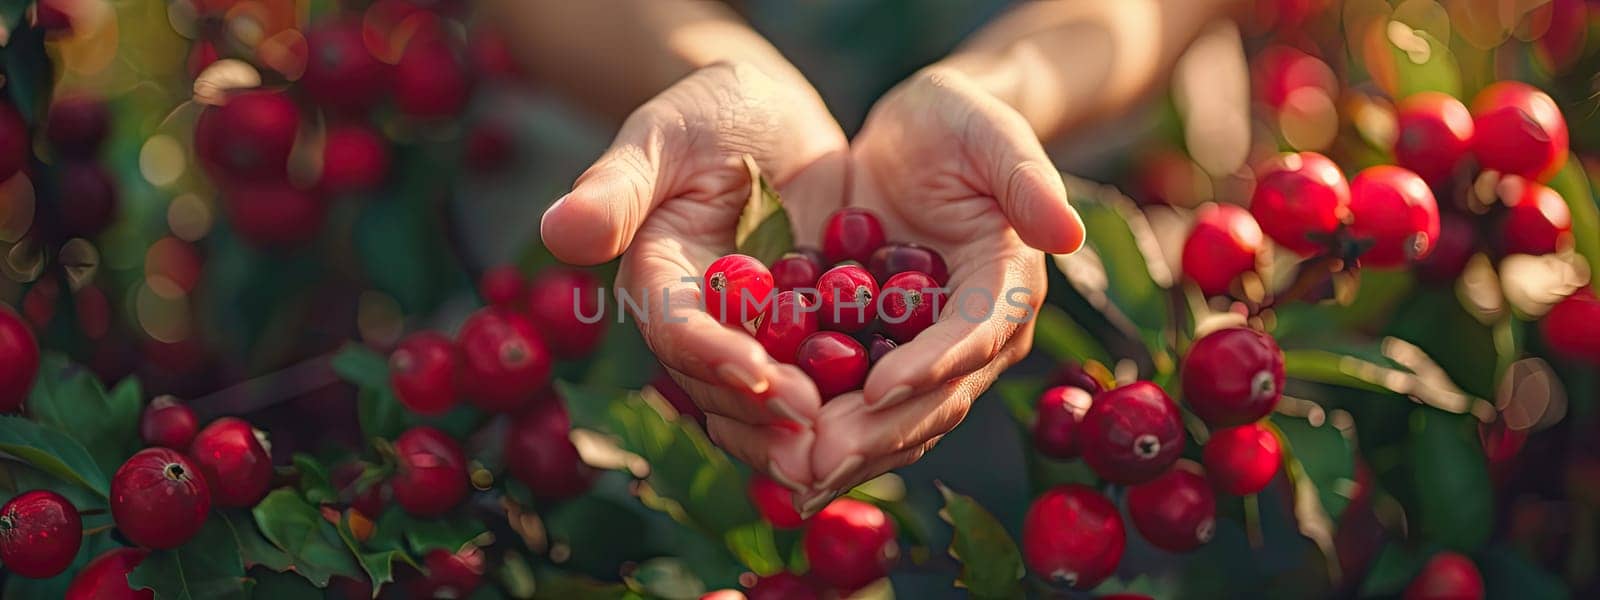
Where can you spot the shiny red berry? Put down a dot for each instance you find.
(1457, 243)
(1281, 71)
(851, 234)
(1537, 220)
(504, 362)
(1233, 376)
(788, 321)
(89, 201)
(1242, 460)
(77, 126)
(430, 476)
(502, 286)
(168, 424)
(1446, 576)
(1058, 417)
(783, 586)
(106, 577)
(850, 544)
(248, 138)
(354, 159)
(1223, 245)
(19, 360)
(422, 372)
(40, 532)
(835, 362)
(1572, 327)
(909, 303)
(735, 287)
(796, 271)
(847, 295)
(540, 454)
(892, 259)
(878, 347)
(1074, 375)
(449, 574)
(159, 498)
(341, 73)
(774, 502)
(430, 81)
(1393, 209)
(1300, 200)
(1073, 536)
(233, 461)
(1518, 130)
(16, 146)
(273, 213)
(1131, 434)
(566, 306)
(1434, 133)
(1176, 511)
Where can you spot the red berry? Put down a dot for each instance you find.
(1456, 245)
(19, 360)
(89, 199)
(422, 371)
(1518, 130)
(273, 213)
(774, 502)
(168, 424)
(491, 54)
(159, 499)
(1223, 245)
(1073, 374)
(835, 362)
(539, 453)
(1073, 536)
(106, 577)
(878, 347)
(503, 286)
(248, 138)
(1059, 416)
(788, 322)
(736, 287)
(1446, 576)
(354, 159)
(1280, 71)
(1233, 376)
(851, 234)
(1537, 220)
(560, 301)
(449, 574)
(16, 147)
(52, 18)
(1572, 327)
(77, 126)
(1395, 210)
(1176, 511)
(795, 271)
(430, 475)
(341, 73)
(783, 586)
(1435, 132)
(847, 294)
(489, 147)
(40, 532)
(430, 81)
(1131, 434)
(850, 544)
(910, 303)
(233, 461)
(1300, 200)
(1242, 460)
(504, 362)
(893, 259)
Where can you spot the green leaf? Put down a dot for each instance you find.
(1021, 395)
(361, 366)
(52, 452)
(1060, 336)
(558, 585)
(667, 578)
(1455, 505)
(254, 549)
(1323, 455)
(69, 399)
(991, 564)
(1421, 62)
(1573, 185)
(310, 541)
(272, 585)
(1507, 574)
(30, 78)
(314, 482)
(447, 533)
(378, 558)
(756, 547)
(1392, 570)
(1322, 366)
(1121, 274)
(763, 230)
(206, 567)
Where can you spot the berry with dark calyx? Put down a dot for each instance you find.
(788, 322)
(539, 453)
(1176, 511)
(835, 362)
(354, 159)
(850, 544)
(783, 586)
(40, 532)
(89, 199)
(735, 287)
(1242, 460)
(1572, 327)
(1434, 133)
(430, 475)
(1233, 376)
(430, 81)
(892, 259)
(1223, 245)
(1059, 414)
(503, 286)
(1537, 220)
(449, 574)
(1446, 576)
(796, 271)
(422, 371)
(851, 234)
(1518, 130)
(77, 126)
(273, 213)
(1131, 434)
(16, 146)
(774, 502)
(233, 461)
(167, 423)
(909, 303)
(248, 138)
(1393, 209)
(159, 498)
(341, 73)
(847, 296)
(566, 306)
(19, 360)
(1456, 245)
(1300, 200)
(878, 347)
(106, 577)
(1073, 536)
(504, 362)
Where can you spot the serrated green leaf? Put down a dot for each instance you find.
(310, 541)
(314, 482)
(377, 556)
(69, 399)
(207, 567)
(447, 533)
(254, 549)
(991, 564)
(1455, 503)
(52, 452)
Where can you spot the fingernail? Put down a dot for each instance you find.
(893, 396)
(833, 480)
(783, 479)
(742, 379)
(817, 502)
(783, 410)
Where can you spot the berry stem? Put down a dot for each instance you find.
(94, 530)
(1252, 520)
(91, 512)
(1311, 275)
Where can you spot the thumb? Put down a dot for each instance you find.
(1024, 182)
(597, 220)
